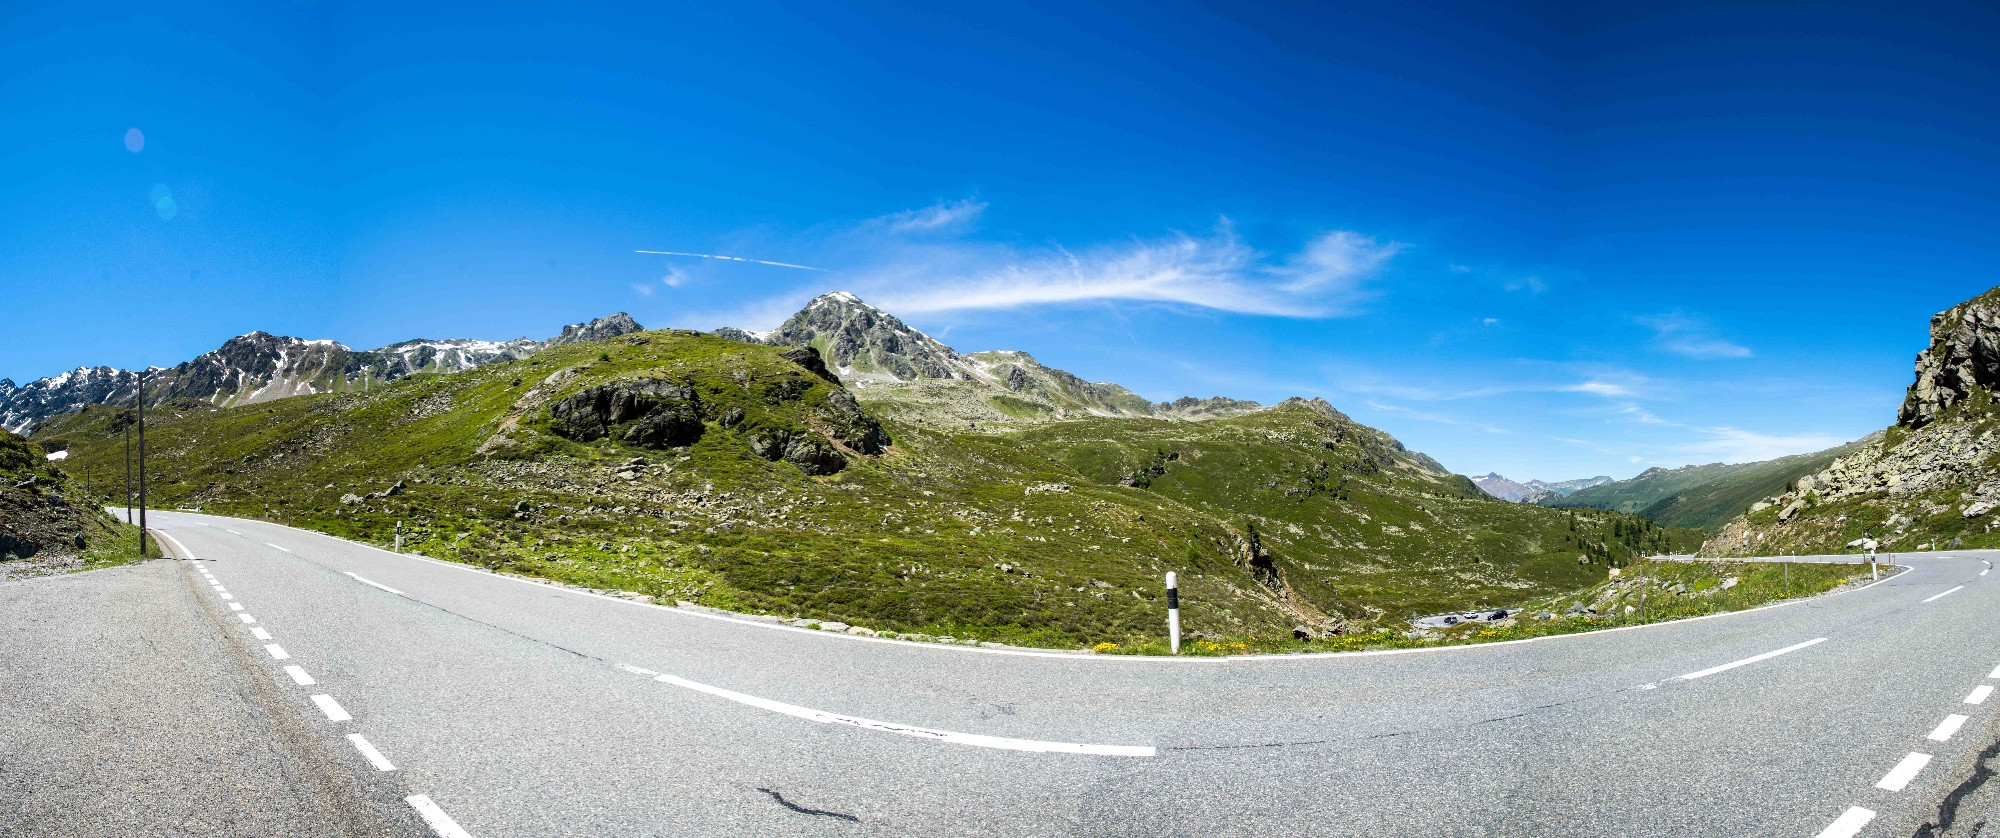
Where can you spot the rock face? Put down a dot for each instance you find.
(1962, 360)
(261, 367)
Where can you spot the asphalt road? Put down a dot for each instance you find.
(518, 709)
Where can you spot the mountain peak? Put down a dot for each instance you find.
(860, 339)
(603, 328)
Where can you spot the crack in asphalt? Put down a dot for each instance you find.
(805, 810)
(1947, 812)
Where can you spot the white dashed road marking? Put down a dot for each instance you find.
(1946, 594)
(277, 651)
(299, 675)
(1995, 673)
(954, 737)
(334, 712)
(275, 547)
(1899, 777)
(439, 822)
(1752, 659)
(376, 585)
(246, 618)
(235, 606)
(259, 633)
(1979, 694)
(1849, 823)
(1946, 728)
(231, 532)
(368, 751)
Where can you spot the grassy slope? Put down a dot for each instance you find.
(1702, 497)
(1354, 526)
(912, 540)
(52, 510)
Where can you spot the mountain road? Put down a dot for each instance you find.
(280, 680)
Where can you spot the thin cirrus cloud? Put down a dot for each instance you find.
(1690, 338)
(1734, 445)
(949, 215)
(1325, 279)
(728, 259)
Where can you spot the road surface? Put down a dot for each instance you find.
(501, 707)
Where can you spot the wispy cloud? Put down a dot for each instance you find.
(729, 259)
(1734, 445)
(642, 289)
(1221, 272)
(1423, 416)
(941, 216)
(674, 278)
(1691, 338)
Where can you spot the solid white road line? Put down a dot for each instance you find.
(246, 618)
(235, 606)
(1904, 772)
(277, 651)
(439, 822)
(1979, 694)
(376, 585)
(368, 751)
(275, 547)
(1946, 728)
(1752, 659)
(1945, 594)
(259, 633)
(334, 712)
(1849, 823)
(1000, 742)
(299, 675)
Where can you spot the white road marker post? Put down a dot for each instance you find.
(399, 536)
(1874, 570)
(1173, 614)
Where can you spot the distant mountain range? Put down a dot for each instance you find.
(1701, 497)
(906, 372)
(1533, 491)
(261, 367)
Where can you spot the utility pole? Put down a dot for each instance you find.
(142, 463)
(128, 473)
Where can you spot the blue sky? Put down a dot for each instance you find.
(1548, 240)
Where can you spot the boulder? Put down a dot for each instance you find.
(349, 499)
(803, 449)
(1979, 509)
(655, 413)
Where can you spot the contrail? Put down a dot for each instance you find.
(731, 259)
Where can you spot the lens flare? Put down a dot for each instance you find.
(134, 140)
(163, 202)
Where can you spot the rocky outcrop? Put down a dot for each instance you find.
(603, 328)
(1931, 478)
(808, 357)
(804, 449)
(1962, 361)
(650, 413)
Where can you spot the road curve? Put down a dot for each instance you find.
(518, 709)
